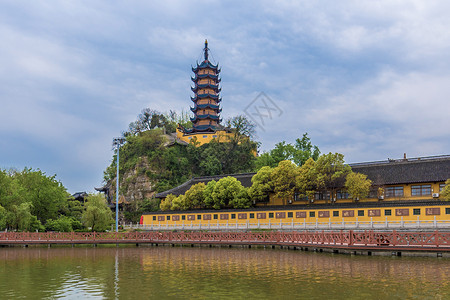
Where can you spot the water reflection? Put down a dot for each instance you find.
(165, 272)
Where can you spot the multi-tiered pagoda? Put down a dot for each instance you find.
(206, 120)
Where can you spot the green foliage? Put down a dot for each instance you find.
(261, 185)
(298, 153)
(445, 193)
(357, 185)
(97, 214)
(225, 191)
(195, 197)
(63, 224)
(3, 218)
(21, 219)
(208, 193)
(46, 194)
(331, 171)
(242, 199)
(179, 203)
(166, 204)
(150, 119)
(307, 180)
(284, 178)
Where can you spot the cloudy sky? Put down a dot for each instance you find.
(369, 79)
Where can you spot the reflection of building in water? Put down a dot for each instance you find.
(257, 263)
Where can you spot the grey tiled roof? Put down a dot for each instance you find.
(404, 171)
(244, 178)
(416, 170)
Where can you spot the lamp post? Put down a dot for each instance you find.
(117, 142)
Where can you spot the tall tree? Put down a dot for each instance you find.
(195, 197)
(225, 191)
(331, 171)
(97, 214)
(357, 185)
(262, 185)
(446, 191)
(45, 193)
(284, 178)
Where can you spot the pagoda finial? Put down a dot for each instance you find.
(206, 49)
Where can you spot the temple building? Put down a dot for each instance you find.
(206, 120)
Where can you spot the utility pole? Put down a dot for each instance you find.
(117, 142)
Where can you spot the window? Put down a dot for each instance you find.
(290, 214)
(205, 136)
(215, 216)
(336, 213)
(252, 215)
(199, 217)
(270, 215)
(312, 214)
(300, 197)
(416, 211)
(214, 136)
(154, 218)
(394, 191)
(322, 195)
(233, 216)
(421, 190)
(360, 213)
(190, 137)
(373, 193)
(168, 218)
(388, 212)
(183, 217)
(342, 195)
(447, 210)
(441, 187)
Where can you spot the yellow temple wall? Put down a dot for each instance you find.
(204, 138)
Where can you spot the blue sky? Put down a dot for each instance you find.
(369, 79)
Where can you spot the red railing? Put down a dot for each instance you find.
(430, 241)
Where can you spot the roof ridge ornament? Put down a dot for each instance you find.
(206, 49)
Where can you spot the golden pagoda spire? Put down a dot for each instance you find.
(206, 49)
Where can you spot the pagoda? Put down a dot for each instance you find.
(206, 120)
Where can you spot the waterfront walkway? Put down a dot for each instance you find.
(350, 240)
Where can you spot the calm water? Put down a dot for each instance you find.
(219, 273)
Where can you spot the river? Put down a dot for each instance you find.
(218, 273)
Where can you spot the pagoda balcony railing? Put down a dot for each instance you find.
(205, 106)
(206, 116)
(207, 95)
(203, 76)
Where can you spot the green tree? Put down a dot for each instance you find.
(445, 193)
(179, 203)
(357, 185)
(298, 153)
(208, 193)
(97, 214)
(3, 218)
(46, 194)
(284, 179)
(304, 150)
(261, 185)
(195, 197)
(331, 171)
(242, 199)
(166, 204)
(307, 179)
(21, 219)
(62, 224)
(242, 128)
(225, 191)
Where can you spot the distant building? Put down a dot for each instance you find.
(421, 178)
(206, 120)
